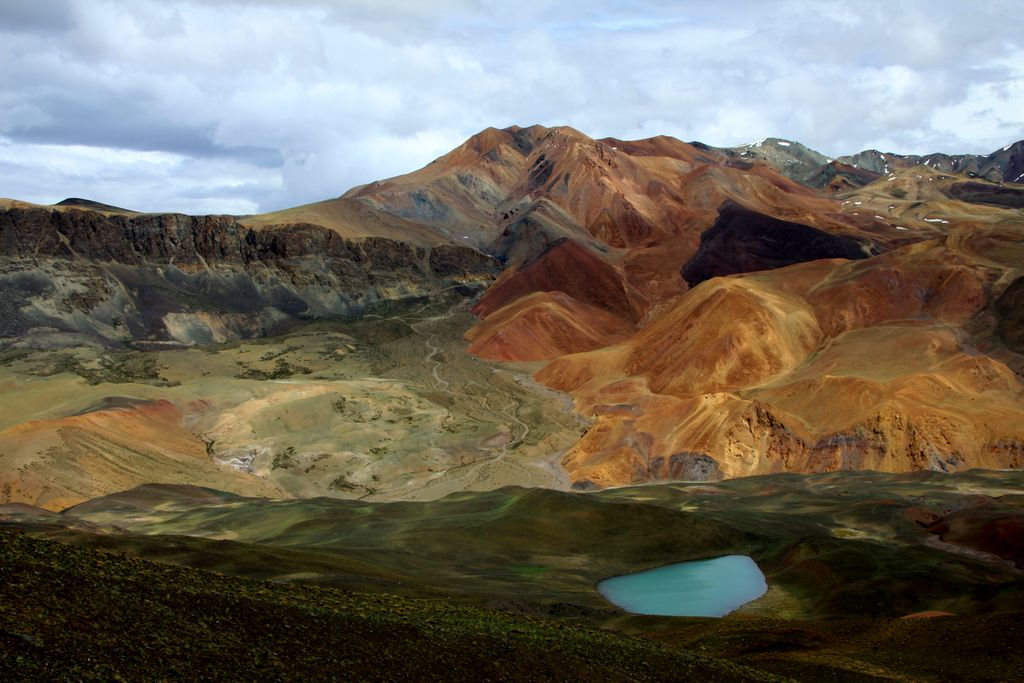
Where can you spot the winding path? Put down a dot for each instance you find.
(519, 431)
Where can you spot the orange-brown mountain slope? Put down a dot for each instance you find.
(607, 222)
(895, 362)
(63, 461)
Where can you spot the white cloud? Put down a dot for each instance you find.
(150, 181)
(273, 103)
(988, 111)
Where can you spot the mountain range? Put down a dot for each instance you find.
(814, 169)
(404, 433)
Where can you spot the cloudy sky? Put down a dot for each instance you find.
(239, 107)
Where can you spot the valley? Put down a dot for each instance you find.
(707, 315)
(387, 406)
(531, 341)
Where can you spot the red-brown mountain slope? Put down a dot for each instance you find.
(608, 222)
(566, 266)
(545, 325)
(886, 363)
(640, 205)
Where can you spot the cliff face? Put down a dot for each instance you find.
(68, 276)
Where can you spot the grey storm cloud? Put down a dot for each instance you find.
(43, 16)
(248, 106)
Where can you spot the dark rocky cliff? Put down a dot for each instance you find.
(743, 241)
(76, 275)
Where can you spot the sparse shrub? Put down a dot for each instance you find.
(282, 370)
(285, 459)
(450, 424)
(342, 484)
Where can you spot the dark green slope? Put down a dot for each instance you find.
(71, 613)
(501, 585)
(836, 545)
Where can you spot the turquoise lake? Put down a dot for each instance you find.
(703, 588)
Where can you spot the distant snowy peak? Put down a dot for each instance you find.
(769, 142)
(809, 167)
(1010, 162)
(791, 158)
(869, 160)
(1004, 165)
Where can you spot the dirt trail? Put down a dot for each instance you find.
(429, 329)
